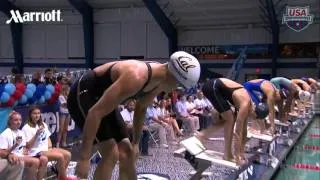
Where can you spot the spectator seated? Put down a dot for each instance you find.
(204, 108)
(192, 122)
(155, 125)
(127, 114)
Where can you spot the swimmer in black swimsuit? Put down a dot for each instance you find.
(224, 93)
(95, 96)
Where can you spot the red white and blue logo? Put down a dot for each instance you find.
(297, 18)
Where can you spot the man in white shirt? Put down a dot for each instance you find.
(204, 106)
(182, 113)
(154, 124)
(127, 114)
(169, 129)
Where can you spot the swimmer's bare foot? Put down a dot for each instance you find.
(229, 158)
(201, 137)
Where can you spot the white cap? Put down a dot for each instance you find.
(185, 68)
(304, 96)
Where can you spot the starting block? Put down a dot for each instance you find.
(278, 123)
(283, 130)
(266, 148)
(200, 158)
(298, 123)
(262, 137)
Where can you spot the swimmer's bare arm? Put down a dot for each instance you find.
(298, 88)
(120, 90)
(289, 101)
(312, 81)
(306, 86)
(270, 101)
(139, 114)
(317, 84)
(281, 109)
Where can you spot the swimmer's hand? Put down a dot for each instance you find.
(82, 169)
(241, 160)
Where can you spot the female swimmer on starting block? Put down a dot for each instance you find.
(303, 96)
(221, 93)
(270, 95)
(289, 89)
(301, 85)
(95, 96)
(315, 85)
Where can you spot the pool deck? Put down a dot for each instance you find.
(162, 161)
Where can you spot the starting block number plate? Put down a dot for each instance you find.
(274, 162)
(246, 174)
(272, 147)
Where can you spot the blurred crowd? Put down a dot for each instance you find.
(171, 117)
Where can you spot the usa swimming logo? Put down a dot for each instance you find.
(297, 18)
(18, 17)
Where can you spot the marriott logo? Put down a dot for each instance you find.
(51, 16)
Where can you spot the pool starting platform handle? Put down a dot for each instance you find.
(267, 153)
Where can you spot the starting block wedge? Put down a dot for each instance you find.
(216, 139)
(198, 150)
(267, 144)
(262, 137)
(277, 122)
(200, 158)
(266, 148)
(282, 128)
(215, 158)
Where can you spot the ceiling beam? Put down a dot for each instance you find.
(16, 33)
(86, 12)
(164, 22)
(229, 22)
(224, 17)
(207, 3)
